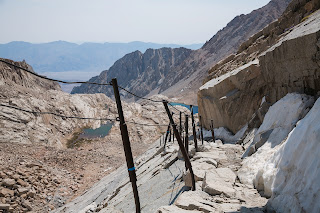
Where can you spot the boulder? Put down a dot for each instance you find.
(22, 183)
(4, 206)
(27, 205)
(219, 181)
(4, 192)
(22, 190)
(199, 169)
(231, 99)
(174, 209)
(197, 200)
(214, 154)
(8, 182)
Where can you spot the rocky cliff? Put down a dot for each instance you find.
(137, 72)
(281, 58)
(23, 90)
(179, 72)
(14, 77)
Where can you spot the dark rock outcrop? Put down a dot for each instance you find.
(137, 72)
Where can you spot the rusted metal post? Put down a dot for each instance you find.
(186, 136)
(165, 140)
(180, 127)
(201, 132)
(172, 132)
(172, 137)
(182, 136)
(212, 130)
(182, 148)
(126, 146)
(194, 130)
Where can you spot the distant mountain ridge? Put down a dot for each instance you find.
(184, 79)
(138, 72)
(61, 56)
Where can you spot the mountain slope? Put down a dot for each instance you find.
(185, 79)
(140, 73)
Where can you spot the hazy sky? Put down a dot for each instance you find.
(159, 21)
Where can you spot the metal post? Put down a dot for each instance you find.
(201, 132)
(170, 134)
(194, 130)
(172, 131)
(182, 148)
(126, 146)
(165, 140)
(186, 139)
(180, 127)
(212, 130)
(172, 137)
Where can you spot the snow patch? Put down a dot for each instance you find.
(278, 122)
(292, 174)
(225, 135)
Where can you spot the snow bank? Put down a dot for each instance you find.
(278, 122)
(225, 135)
(292, 174)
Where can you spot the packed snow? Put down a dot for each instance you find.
(286, 167)
(279, 120)
(225, 135)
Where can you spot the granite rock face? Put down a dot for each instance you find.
(233, 97)
(23, 90)
(15, 77)
(138, 72)
(264, 73)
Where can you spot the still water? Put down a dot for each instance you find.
(195, 108)
(100, 132)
